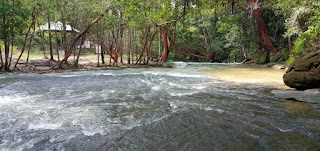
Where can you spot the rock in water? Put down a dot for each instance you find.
(310, 96)
(304, 73)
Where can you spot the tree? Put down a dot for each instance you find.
(12, 17)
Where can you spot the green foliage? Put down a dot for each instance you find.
(210, 26)
(305, 24)
(170, 63)
(13, 16)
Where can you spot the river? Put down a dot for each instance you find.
(194, 107)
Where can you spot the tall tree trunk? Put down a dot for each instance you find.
(102, 54)
(232, 6)
(264, 37)
(159, 43)
(109, 47)
(121, 45)
(164, 32)
(150, 44)
(12, 34)
(50, 40)
(65, 40)
(129, 45)
(57, 46)
(34, 29)
(101, 48)
(97, 47)
(115, 49)
(6, 55)
(78, 56)
(11, 53)
(6, 43)
(144, 45)
(71, 40)
(166, 41)
(1, 60)
(106, 47)
(290, 46)
(26, 37)
(135, 45)
(244, 54)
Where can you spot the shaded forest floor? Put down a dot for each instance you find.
(41, 65)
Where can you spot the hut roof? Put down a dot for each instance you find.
(56, 26)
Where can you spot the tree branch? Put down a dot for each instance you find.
(83, 32)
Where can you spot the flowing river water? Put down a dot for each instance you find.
(194, 107)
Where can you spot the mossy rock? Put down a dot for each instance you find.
(281, 56)
(304, 72)
(261, 58)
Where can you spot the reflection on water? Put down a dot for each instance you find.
(297, 106)
(192, 108)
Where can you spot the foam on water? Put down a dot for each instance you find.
(182, 94)
(39, 126)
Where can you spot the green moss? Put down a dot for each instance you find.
(260, 58)
(281, 56)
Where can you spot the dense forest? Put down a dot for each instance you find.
(140, 32)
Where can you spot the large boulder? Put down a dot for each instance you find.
(304, 72)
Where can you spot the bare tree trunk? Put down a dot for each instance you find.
(98, 54)
(121, 45)
(290, 46)
(83, 32)
(50, 40)
(244, 54)
(232, 7)
(166, 41)
(11, 54)
(57, 46)
(102, 50)
(132, 46)
(6, 55)
(71, 40)
(78, 56)
(165, 53)
(144, 45)
(102, 54)
(159, 42)
(136, 44)
(12, 38)
(1, 60)
(129, 45)
(264, 37)
(65, 40)
(150, 44)
(116, 48)
(26, 37)
(6, 44)
(109, 47)
(34, 29)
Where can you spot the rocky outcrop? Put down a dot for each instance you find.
(304, 73)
